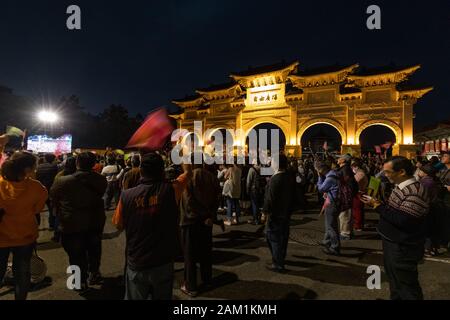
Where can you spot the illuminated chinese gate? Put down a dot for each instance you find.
(348, 98)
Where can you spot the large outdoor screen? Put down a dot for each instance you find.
(45, 144)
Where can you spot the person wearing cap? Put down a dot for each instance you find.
(328, 184)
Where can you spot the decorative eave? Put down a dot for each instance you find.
(260, 79)
(190, 102)
(176, 116)
(204, 110)
(413, 94)
(238, 103)
(322, 79)
(231, 91)
(384, 78)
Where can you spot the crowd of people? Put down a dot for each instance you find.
(168, 211)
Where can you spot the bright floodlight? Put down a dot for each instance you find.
(48, 116)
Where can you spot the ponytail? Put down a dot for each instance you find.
(14, 168)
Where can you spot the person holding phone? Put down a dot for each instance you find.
(402, 227)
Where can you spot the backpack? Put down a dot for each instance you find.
(345, 195)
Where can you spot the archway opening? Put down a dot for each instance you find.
(319, 138)
(377, 136)
(191, 140)
(212, 143)
(269, 127)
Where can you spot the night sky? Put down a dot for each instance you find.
(143, 54)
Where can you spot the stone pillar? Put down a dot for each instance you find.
(407, 121)
(294, 151)
(293, 127)
(239, 139)
(406, 150)
(351, 125)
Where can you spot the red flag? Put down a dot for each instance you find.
(325, 146)
(153, 133)
(378, 149)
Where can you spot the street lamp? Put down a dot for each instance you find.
(49, 117)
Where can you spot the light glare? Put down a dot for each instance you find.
(48, 116)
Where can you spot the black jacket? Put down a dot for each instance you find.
(46, 174)
(279, 199)
(79, 202)
(200, 200)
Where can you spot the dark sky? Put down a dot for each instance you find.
(142, 54)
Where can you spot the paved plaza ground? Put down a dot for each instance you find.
(239, 258)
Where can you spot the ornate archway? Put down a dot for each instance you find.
(304, 126)
(343, 97)
(387, 123)
(252, 124)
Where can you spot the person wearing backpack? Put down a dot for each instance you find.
(111, 172)
(328, 184)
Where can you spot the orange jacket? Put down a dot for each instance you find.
(21, 201)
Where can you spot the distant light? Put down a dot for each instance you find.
(48, 116)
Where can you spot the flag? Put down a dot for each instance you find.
(153, 133)
(120, 152)
(374, 186)
(325, 145)
(14, 132)
(378, 149)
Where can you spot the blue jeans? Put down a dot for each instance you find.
(331, 239)
(233, 203)
(277, 235)
(21, 268)
(152, 284)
